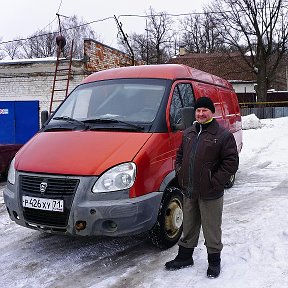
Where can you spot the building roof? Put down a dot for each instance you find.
(29, 61)
(231, 67)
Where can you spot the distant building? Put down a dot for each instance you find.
(231, 67)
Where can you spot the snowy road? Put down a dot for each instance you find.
(33, 259)
(255, 237)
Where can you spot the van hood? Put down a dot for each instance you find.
(78, 152)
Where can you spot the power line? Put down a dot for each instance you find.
(32, 37)
(54, 18)
(95, 21)
(55, 32)
(111, 17)
(59, 7)
(88, 23)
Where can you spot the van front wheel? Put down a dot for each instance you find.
(168, 228)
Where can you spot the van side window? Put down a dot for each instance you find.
(186, 94)
(182, 97)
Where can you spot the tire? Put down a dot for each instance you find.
(230, 183)
(4, 174)
(168, 228)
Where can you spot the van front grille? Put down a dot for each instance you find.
(57, 186)
(58, 189)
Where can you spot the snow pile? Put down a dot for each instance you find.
(250, 122)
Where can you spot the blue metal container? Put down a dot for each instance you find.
(19, 121)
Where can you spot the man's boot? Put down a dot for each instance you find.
(214, 267)
(183, 259)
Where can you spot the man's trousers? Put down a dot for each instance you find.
(205, 213)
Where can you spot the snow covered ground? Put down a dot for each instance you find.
(255, 235)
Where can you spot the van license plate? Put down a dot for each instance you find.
(43, 203)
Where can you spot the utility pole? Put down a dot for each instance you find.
(147, 45)
(119, 25)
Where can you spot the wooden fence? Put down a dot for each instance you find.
(275, 107)
(265, 112)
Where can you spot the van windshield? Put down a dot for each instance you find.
(129, 100)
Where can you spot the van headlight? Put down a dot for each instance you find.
(11, 173)
(119, 177)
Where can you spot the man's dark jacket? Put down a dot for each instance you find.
(206, 160)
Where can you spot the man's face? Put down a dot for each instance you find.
(203, 115)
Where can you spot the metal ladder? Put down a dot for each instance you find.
(62, 76)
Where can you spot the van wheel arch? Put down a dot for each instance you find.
(168, 229)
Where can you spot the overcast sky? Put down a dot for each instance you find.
(21, 18)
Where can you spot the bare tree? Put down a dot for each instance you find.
(140, 47)
(43, 42)
(160, 35)
(257, 27)
(75, 29)
(192, 38)
(12, 48)
(40, 45)
(155, 45)
(2, 54)
(200, 34)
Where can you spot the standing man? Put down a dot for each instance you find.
(205, 161)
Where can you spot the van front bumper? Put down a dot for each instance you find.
(88, 214)
(118, 217)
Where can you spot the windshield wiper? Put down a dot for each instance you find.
(111, 120)
(48, 128)
(70, 120)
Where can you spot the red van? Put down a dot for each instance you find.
(103, 163)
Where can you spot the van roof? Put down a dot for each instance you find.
(160, 71)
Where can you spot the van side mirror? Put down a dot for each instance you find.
(187, 118)
(44, 117)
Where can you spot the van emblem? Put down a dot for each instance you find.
(43, 187)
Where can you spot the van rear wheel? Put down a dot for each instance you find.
(168, 228)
